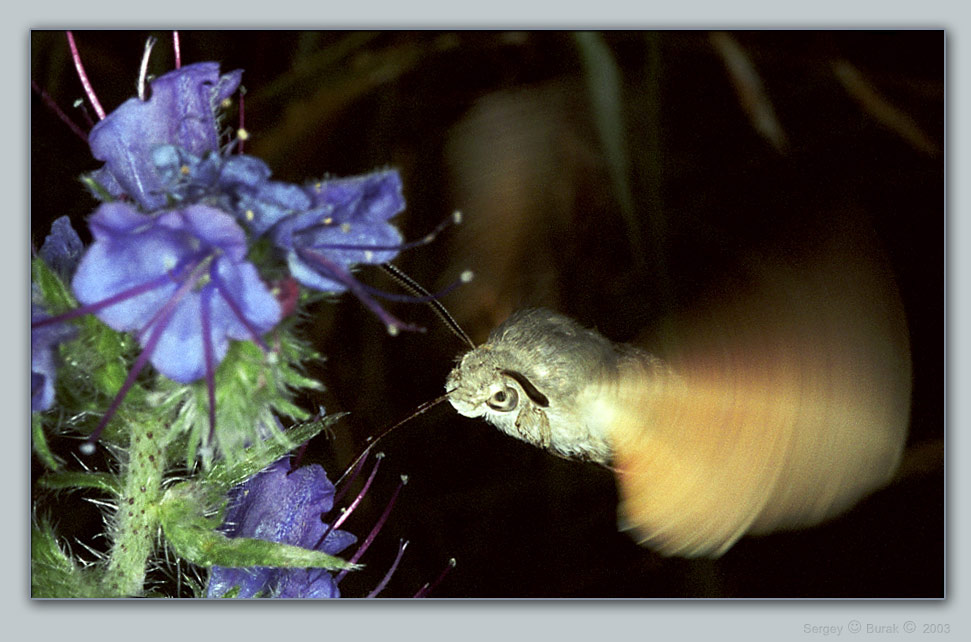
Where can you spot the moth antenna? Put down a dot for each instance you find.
(417, 411)
(417, 290)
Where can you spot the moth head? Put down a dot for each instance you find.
(536, 359)
(480, 386)
(534, 379)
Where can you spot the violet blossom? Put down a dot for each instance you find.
(182, 111)
(280, 505)
(179, 280)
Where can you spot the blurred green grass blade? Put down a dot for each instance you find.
(604, 88)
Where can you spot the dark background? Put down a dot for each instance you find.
(502, 126)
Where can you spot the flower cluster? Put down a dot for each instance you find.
(171, 260)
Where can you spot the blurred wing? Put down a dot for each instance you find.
(785, 410)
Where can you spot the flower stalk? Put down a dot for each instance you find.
(136, 520)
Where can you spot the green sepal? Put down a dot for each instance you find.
(228, 474)
(57, 298)
(53, 573)
(72, 479)
(192, 534)
(41, 447)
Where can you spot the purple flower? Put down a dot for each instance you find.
(179, 280)
(43, 343)
(323, 230)
(347, 225)
(181, 111)
(280, 505)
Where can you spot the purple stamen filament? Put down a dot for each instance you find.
(124, 295)
(354, 472)
(298, 458)
(331, 270)
(387, 576)
(374, 531)
(234, 306)
(428, 588)
(242, 139)
(425, 240)
(411, 298)
(132, 375)
(357, 500)
(58, 112)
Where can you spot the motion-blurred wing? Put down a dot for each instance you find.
(787, 408)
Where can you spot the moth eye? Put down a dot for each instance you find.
(504, 400)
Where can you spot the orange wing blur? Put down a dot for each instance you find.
(788, 406)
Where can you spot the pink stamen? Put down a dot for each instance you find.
(374, 531)
(356, 466)
(387, 576)
(425, 240)
(428, 588)
(59, 112)
(417, 298)
(177, 48)
(84, 77)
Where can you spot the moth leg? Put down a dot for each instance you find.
(534, 427)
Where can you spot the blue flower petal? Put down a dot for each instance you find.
(336, 241)
(129, 251)
(243, 171)
(278, 505)
(258, 305)
(311, 583)
(374, 197)
(251, 581)
(270, 203)
(145, 261)
(181, 111)
(179, 352)
(308, 276)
